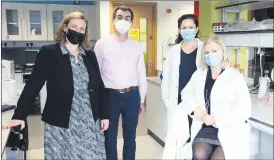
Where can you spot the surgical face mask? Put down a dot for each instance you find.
(213, 59)
(75, 37)
(122, 26)
(188, 34)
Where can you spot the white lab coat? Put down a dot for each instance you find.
(230, 106)
(170, 81)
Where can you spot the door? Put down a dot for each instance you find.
(55, 14)
(36, 22)
(85, 10)
(143, 31)
(12, 21)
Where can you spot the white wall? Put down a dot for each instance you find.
(167, 23)
(104, 18)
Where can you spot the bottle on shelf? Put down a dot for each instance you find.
(264, 87)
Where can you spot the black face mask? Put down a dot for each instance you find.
(75, 37)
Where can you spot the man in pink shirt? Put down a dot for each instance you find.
(123, 71)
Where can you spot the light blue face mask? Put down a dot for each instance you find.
(213, 59)
(188, 34)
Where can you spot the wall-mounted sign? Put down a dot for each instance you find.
(134, 34)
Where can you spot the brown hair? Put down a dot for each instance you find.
(60, 34)
(181, 19)
(123, 8)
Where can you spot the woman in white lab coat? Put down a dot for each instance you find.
(217, 98)
(181, 62)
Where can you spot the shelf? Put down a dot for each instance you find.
(255, 39)
(235, 5)
(246, 32)
(250, 5)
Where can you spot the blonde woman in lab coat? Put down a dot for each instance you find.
(218, 100)
(182, 61)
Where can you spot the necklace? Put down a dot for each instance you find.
(207, 101)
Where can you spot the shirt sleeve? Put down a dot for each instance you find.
(141, 69)
(98, 53)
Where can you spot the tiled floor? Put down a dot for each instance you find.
(146, 148)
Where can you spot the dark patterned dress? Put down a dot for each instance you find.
(83, 139)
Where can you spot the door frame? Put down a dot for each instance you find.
(154, 25)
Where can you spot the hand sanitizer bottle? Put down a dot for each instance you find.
(264, 87)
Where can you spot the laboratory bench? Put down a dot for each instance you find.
(261, 120)
(6, 152)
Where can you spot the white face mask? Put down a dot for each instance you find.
(122, 26)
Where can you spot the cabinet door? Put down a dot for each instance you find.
(12, 19)
(36, 22)
(55, 14)
(85, 10)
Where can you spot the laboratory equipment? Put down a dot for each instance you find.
(8, 70)
(219, 27)
(17, 54)
(31, 57)
(264, 87)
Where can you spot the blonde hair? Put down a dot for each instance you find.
(60, 34)
(215, 39)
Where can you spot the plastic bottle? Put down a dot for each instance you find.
(264, 87)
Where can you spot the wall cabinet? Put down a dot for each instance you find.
(35, 17)
(55, 13)
(12, 21)
(32, 22)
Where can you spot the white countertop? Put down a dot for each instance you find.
(262, 113)
(6, 117)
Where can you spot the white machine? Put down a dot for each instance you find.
(8, 70)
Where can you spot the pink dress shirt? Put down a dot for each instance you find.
(121, 64)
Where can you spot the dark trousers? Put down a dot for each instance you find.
(128, 105)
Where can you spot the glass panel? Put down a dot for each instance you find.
(143, 25)
(12, 22)
(57, 18)
(35, 23)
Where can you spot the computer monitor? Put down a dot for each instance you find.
(17, 54)
(31, 57)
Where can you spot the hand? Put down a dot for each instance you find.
(14, 123)
(208, 120)
(104, 124)
(199, 113)
(142, 108)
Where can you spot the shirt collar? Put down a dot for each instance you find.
(65, 50)
(118, 39)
